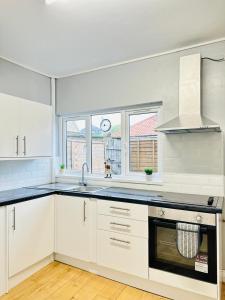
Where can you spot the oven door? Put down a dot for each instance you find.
(163, 253)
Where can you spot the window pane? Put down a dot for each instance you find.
(143, 145)
(106, 142)
(76, 145)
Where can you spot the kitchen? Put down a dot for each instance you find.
(111, 161)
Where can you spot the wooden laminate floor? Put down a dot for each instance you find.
(62, 282)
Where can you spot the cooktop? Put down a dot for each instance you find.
(178, 198)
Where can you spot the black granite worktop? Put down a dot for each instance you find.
(22, 194)
(162, 199)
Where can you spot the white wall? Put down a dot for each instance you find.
(18, 81)
(15, 174)
(156, 79)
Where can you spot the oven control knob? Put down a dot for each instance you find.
(199, 219)
(161, 213)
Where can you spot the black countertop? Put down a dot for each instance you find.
(162, 199)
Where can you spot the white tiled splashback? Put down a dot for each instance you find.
(15, 174)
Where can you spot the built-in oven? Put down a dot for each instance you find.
(163, 246)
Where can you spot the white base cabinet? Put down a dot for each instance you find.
(72, 227)
(122, 237)
(3, 251)
(30, 233)
(123, 253)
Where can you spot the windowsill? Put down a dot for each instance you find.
(128, 179)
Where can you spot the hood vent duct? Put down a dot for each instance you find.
(189, 118)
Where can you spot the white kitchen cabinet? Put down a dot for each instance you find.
(9, 126)
(3, 251)
(122, 225)
(25, 128)
(123, 210)
(30, 232)
(72, 227)
(122, 237)
(35, 129)
(123, 253)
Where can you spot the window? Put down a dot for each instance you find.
(76, 144)
(106, 142)
(143, 142)
(126, 139)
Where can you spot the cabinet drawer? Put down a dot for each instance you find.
(122, 225)
(123, 253)
(123, 209)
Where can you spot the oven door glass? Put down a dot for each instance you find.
(163, 253)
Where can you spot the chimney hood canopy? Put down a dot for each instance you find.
(189, 118)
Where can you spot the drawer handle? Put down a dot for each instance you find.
(118, 224)
(120, 241)
(120, 208)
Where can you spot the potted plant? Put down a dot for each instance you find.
(62, 168)
(148, 173)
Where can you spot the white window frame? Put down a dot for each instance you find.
(64, 138)
(154, 109)
(125, 155)
(122, 140)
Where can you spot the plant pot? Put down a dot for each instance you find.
(148, 177)
(61, 171)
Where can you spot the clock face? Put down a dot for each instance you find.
(105, 125)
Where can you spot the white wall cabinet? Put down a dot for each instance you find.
(72, 227)
(30, 233)
(25, 128)
(9, 126)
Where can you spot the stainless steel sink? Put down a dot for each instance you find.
(88, 189)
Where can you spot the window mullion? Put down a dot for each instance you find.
(123, 143)
(88, 154)
(62, 138)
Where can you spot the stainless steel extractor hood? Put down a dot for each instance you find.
(190, 118)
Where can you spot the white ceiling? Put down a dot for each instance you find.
(72, 36)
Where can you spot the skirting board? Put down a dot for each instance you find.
(13, 281)
(143, 284)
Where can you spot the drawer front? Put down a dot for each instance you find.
(123, 253)
(123, 209)
(122, 225)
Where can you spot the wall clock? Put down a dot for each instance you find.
(105, 125)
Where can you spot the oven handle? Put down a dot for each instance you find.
(203, 229)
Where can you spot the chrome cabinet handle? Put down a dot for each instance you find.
(120, 241)
(17, 145)
(118, 224)
(14, 219)
(24, 145)
(85, 211)
(120, 208)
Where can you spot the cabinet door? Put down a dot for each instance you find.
(122, 252)
(72, 227)
(3, 255)
(31, 233)
(35, 129)
(9, 126)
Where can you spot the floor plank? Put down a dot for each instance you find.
(58, 281)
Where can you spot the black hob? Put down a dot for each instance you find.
(177, 198)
